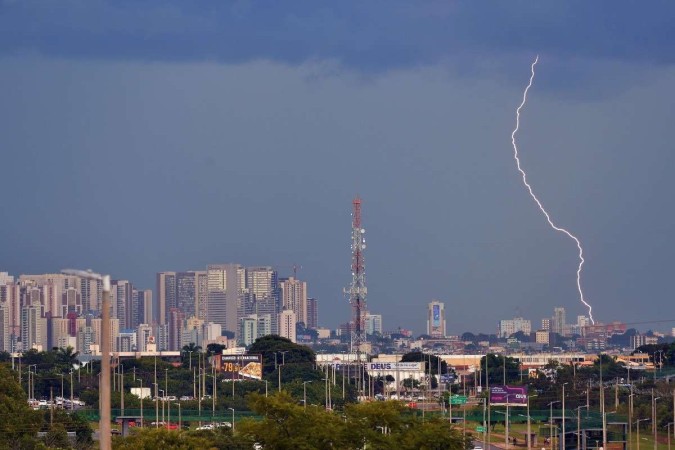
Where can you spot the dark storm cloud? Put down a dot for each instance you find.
(369, 36)
(138, 136)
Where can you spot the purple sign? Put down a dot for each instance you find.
(513, 395)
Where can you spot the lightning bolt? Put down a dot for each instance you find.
(534, 197)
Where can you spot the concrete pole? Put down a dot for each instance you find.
(141, 380)
(104, 389)
(72, 405)
(121, 389)
(529, 433)
(563, 416)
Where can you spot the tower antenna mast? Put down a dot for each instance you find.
(357, 289)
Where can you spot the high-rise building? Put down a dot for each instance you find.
(176, 320)
(542, 337)
(126, 341)
(5, 334)
(201, 294)
(59, 331)
(264, 325)
(166, 296)
(373, 323)
(10, 296)
(141, 308)
(193, 331)
(287, 321)
(71, 302)
(294, 297)
(546, 324)
(312, 313)
(559, 320)
(143, 334)
(511, 326)
(48, 289)
(161, 335)
(85, 338)
(227, 284)
(114, 333)
(5, 278)
(91, 292)
(263, 294)
(121, 294)
(249, 330)
(269, 307)
(436, 319)
(187, 287)
(262, 282)
(33, 329)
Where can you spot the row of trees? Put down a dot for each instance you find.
(286, 425)
(19, 424)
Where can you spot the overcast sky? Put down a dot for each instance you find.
(138, 137)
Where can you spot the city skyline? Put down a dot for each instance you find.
(264, 289)
(170, 137)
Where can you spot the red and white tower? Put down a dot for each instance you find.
(357, 290)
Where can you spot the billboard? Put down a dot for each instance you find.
(513, 395)
(436, 315)
(393, 366)
(241, 366)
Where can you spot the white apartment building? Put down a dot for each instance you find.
(287, 321)
(510, 326)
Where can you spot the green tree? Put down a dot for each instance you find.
(160, 438)
(293, 354)
(19, 423)
(286, 425)
(497, 366)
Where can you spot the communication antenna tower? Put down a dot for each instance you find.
(357, 289)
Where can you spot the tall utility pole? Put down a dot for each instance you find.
(357, 290)
(105, 429)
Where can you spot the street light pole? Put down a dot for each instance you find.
(105, 430)
(121, 388)
(550, 421)
(630, 414)
(506, 420)
(283, 362)
(637, 425)
(141, 380)
(563, 415)
(156, 406)
(529, 432)
(72, 405)
(579, 425)
(180, 418)
(232, 409)
(163, 395)
(654, 417)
